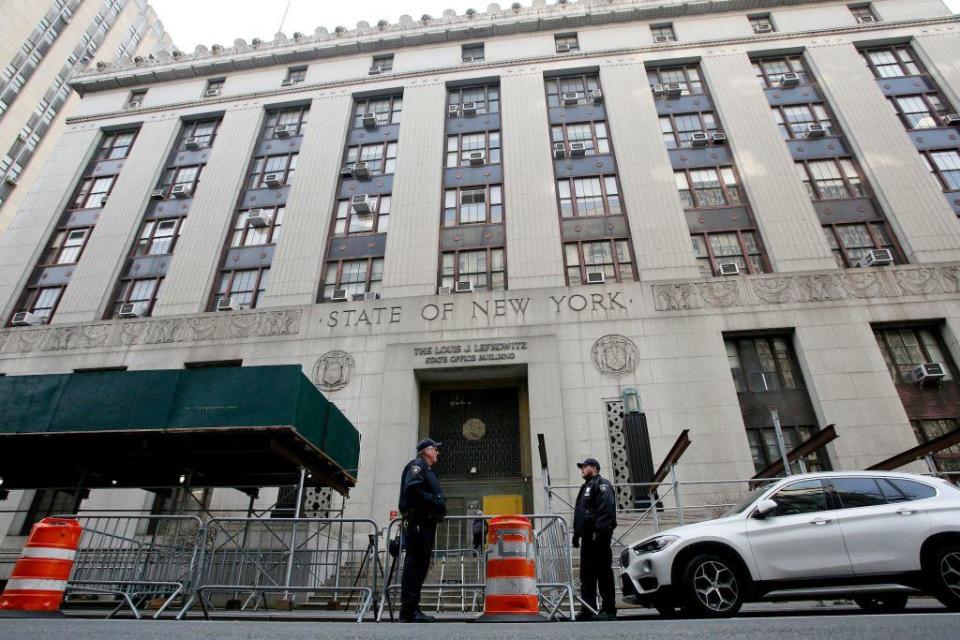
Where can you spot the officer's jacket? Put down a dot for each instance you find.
(420, 495)
(596, 508)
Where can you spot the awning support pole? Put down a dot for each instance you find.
(78, 494)
(293, 532)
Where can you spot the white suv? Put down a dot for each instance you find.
(873, 536)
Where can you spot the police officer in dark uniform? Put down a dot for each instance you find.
(594, 520)
(422, 505)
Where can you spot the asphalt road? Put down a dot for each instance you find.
(929, 624)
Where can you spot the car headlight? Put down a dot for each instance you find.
(654, 544)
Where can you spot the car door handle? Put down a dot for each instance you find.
(820, 521)
(906, 512)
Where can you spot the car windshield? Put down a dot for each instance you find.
(746, 501)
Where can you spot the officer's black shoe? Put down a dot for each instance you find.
(606, 616)
(418, 616)
(585, 616)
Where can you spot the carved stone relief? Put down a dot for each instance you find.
(333, 370)
(615, 355)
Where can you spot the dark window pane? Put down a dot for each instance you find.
(890, 492)
(914, 490)
(858, 492)
(807, 496)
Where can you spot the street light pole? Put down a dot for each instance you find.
(775, 416)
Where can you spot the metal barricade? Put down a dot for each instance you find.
(135, 558)
(249, 558)
(458, 567)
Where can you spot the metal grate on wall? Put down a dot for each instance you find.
(618, 453)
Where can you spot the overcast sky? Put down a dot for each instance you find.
(193, 22)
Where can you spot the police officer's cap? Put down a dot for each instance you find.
(589, 462)
(427, 442)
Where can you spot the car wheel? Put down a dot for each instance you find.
(883, 604)
(944, 571)
(712, 586)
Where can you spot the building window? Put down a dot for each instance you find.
(350, 222)
(460, 148)
(851, 242)
(863, 13)
(581, 85)
(67, 246)
(770, 71)
(386, 110)
(135, 99)
(158, 237)
(906, 348)
(593, 136)
(356, 277)
(93, 193)
(662, 33)
(927, 430)
(892, 62)
(678, 129)
(473, 205)
(702, 188)
(214, 87)
(728, 247)
(381, 64)
(794, 121)
(687, 77)
(922, 111)
(485, 98)
(613, 257)
(42, 302)
(295, 75)
(945, 165)
(380, 158)
(243, 286)
(761, 23)
(484, 268)
(285, 166)
(248, 234)
(585, 197)
(832, 179)
(141, 293)
(188, 177)
(202, 131)
(46, 503)
(566, 42)
(116, 146)
(764, 449)
(293, 120)
(472, 52)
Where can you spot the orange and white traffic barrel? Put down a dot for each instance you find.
(511, 580)
(43, 569)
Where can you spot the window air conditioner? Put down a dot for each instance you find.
(466, 59)
(577, 149)
(728, 268)
(477, 157)
(346, 172)
(718, 138)
(877, 258)
(464, 286)
(181, 191)
(659, 89)
(563, 47)
(444, 291)
(926, 372)
(157, 194)
(559, 150)
(259, 218)
(357, 297)
(103, 199)
(287, 82)
(788, 80)
(369, 120)
(133, 104)
(371, 295)
(453, 111)
(569, 98)
(865, 19)
(762, 28)
(11, 179)
(228, 304)
(951, 119)
(131, 310)
(815, 131)
(194, 143)
(468, 108)
(596, 277)
(361, 203)
(660, 39)
(211, 93)
(375, 70)
(26, 319)
(596, 95)
(283, 130)
(360, 170)
(339, 295)
(673, 89)
(699, 139)
(273, 179)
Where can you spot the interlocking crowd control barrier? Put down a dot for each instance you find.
(40, 575)
(511, 590)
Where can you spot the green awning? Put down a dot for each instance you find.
(222, 427)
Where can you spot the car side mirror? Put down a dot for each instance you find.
(764, 509)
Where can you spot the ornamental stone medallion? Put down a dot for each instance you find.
(615, 355)
(474, 429)
(333, 370)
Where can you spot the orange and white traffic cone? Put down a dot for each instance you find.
(511, 591)
(40, 576)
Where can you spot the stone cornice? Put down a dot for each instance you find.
(583, 56)
(408, 32)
